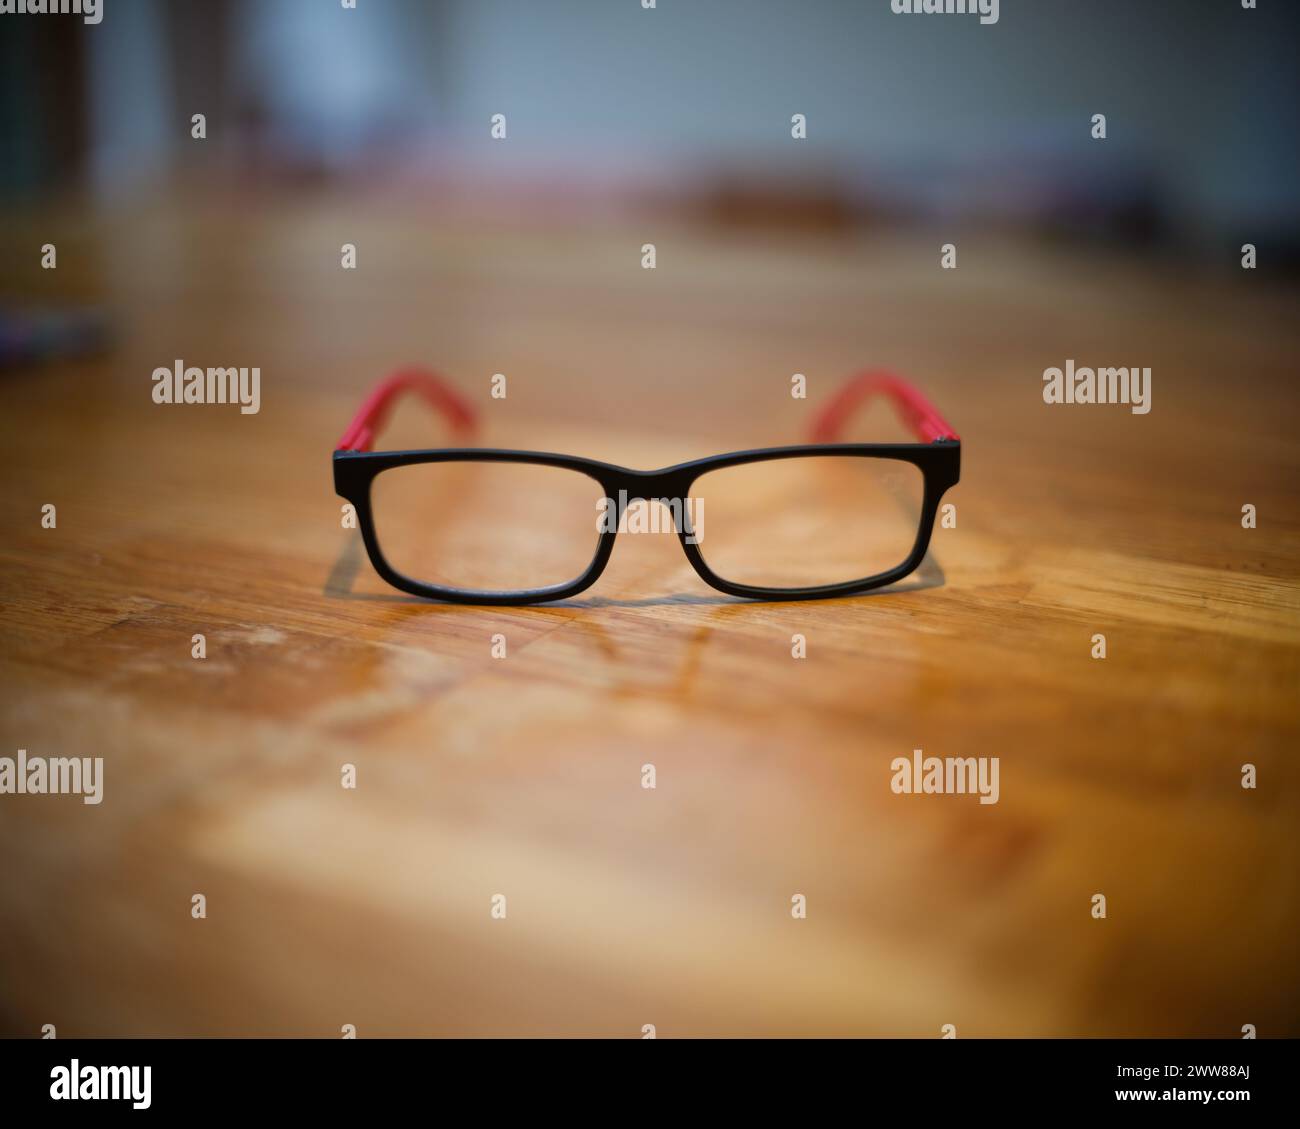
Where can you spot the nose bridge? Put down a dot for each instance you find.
(646, 485)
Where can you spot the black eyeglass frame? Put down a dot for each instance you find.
(939, 462)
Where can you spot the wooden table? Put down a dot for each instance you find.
(522, 776)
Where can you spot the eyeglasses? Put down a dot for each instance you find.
(476, 525)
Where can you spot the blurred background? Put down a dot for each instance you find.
(687, 108)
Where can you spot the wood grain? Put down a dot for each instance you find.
(522, 776)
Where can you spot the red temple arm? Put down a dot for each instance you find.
(373, 414)
(913, 408)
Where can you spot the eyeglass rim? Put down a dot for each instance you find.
(354, 472)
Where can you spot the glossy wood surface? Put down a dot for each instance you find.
(523, 775)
